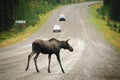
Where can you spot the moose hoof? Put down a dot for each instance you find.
(49, 72)
(38, 71)
(63, 71)
(26, 69)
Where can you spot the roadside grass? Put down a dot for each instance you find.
(10, 37)
(111, 36)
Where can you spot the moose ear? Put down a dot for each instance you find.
(67, 40)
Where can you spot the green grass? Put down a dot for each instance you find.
(111, 36)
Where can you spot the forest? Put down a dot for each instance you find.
(111, 13)
(28, 10)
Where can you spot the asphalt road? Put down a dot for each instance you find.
(93, 58)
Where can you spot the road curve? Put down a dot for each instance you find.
(93, 58)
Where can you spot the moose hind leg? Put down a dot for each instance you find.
(29, 56)
(58, 58)
(35, 59)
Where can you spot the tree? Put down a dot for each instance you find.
(115, 10)
(6, 14)
(106, 2)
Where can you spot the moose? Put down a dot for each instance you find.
(51, 46)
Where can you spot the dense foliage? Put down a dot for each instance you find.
(23, 10)
(111, 10)
(107, 2)
(114, 9)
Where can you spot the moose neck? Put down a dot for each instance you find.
(62, 44)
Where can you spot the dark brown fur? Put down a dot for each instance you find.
(52, 46)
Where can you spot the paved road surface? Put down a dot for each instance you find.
(93, 58)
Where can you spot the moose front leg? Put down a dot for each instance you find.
(58, 58)
(49, 58)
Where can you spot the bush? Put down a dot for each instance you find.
(104, 11)
(114, 25)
